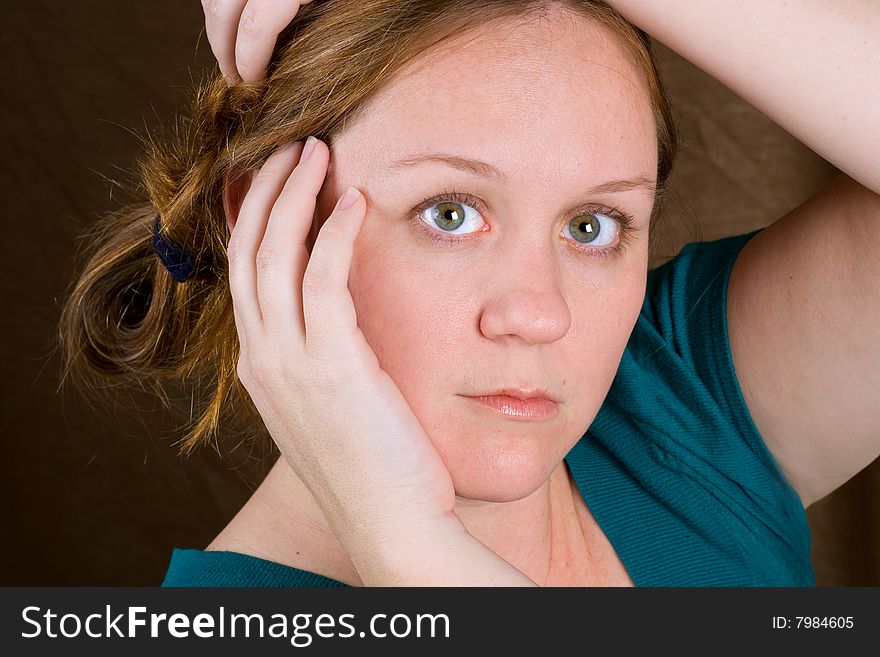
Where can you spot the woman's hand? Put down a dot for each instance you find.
(242, 34)
(339, 419)
(775, 55)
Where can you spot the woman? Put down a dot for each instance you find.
(384, 355)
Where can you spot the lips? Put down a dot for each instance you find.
(533, 404)
(518, 393)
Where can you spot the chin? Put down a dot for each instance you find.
(499, 473)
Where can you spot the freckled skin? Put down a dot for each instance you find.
(556, 105)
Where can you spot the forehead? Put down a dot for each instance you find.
(548, 94)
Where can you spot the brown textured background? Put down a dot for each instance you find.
(98, 496)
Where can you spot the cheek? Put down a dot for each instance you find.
(411, 322)
(603, 317)
(611, 309)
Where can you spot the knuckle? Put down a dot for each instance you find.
(257, 372)
(243, 370)
(294, 195)
(313, 284)
(267, 181)
(265, 177)
(265, 261)
(333, 231)
(221, 11)
(211, 7)
(250, 25)
(235, 252)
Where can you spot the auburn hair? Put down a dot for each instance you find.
(125, 320)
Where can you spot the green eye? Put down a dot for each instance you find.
(448, 215)
(585, 228)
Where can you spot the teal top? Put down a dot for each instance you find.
(672, 468)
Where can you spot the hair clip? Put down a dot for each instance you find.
(179, 263)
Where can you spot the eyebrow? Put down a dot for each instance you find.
(486, 170)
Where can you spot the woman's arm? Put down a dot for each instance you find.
(803, 305)
(813, 66)
(438, 552)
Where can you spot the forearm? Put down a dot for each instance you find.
(813, 66)
(436, 553)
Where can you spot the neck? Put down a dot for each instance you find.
(539, 534)
(535, 534)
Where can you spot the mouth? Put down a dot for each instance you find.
(518, 404)
(519, 393)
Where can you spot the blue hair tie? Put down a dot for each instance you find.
(179, 263)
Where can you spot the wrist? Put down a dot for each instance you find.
(398, 535)
(432, 551)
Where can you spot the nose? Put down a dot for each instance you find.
(525, 299)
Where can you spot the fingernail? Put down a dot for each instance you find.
(308, 149)
(349, 198)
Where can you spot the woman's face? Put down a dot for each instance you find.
(513, 295)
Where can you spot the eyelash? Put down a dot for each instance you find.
(625, 222)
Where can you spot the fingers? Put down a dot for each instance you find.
(261, 23)
(247, 235)
(242, 34)
(282, 256)
(221, 24)
(276, 286)
(328, 310)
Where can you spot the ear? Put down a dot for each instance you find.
(235, 187)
